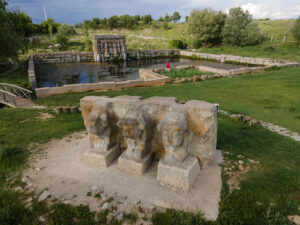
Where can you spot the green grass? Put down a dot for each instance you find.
(181, 73)
(277, 28)
(288, 51)
(267, 195)
(19, 78)
(272, 96)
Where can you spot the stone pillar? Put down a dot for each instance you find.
(78, 58)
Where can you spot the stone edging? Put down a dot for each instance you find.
(254, 122)
(147, 73)
(239, 59)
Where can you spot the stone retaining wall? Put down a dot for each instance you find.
(238, 59)
(147, 78)
(31, 73)
(144, 54)
(230, 72)
(63, 57)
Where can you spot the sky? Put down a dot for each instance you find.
(75, 11)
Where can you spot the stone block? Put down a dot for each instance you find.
(102, 159)
(135, 166)
(179, 175)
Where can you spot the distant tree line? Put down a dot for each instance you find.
(124, 21)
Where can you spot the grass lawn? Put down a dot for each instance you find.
(269, 192)
(288, 51)
(272, 96)
(180, 73)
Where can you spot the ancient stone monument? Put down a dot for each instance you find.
(107, 47)
(181, 136)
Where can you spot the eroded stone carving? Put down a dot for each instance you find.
(174, 133)
(109, 46)
(181, 136)
(136, 132)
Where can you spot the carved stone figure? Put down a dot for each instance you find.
(109, 46)
(182, 136)
(174, 133)
(136, 133)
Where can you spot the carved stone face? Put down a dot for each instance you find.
(98, 122)
(172, 135)
(132, 127)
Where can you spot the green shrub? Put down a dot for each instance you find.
(88, 45)
(177, 44)
(240, 29)
(63, 35)
(165, 25)
(180, 73)
(206, 26)
(196, 44)
(269, 48)
(272, 68)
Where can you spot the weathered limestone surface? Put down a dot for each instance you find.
(109, 46)
(180, 135)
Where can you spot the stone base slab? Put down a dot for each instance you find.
(134, 166)
(102, 159)
(179, 175)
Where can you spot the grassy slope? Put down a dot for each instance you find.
(273, 96)
(158, 38)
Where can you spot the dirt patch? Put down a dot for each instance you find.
(60, 170)
(236, 170)
(44, 116)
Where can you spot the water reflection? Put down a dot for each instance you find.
(59, 74)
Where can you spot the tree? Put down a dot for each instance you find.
(47, 25)
(167, 18)
(63, 34)
(240, 29)
(126, 21)
(296, 31)
(147, 19)
(14, 28)
(206, 26)
(113, 22)
(136, 19)
(176, 17)
(95, 23)
(160, 19)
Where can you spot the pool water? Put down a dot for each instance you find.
(59, 74)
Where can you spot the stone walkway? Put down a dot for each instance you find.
(272, 127)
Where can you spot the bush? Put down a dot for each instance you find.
(88, 45)
(177, 44)
(63, 34)
(196, 44)
(206, 26)
(269, 48)
(165, 25)
(240, 29)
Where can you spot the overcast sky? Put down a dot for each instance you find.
(75, 11)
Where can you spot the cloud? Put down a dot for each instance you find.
(74, 11)
(257, 10)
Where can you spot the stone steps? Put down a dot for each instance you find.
(23, 103)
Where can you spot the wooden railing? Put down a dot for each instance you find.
(10, 92)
